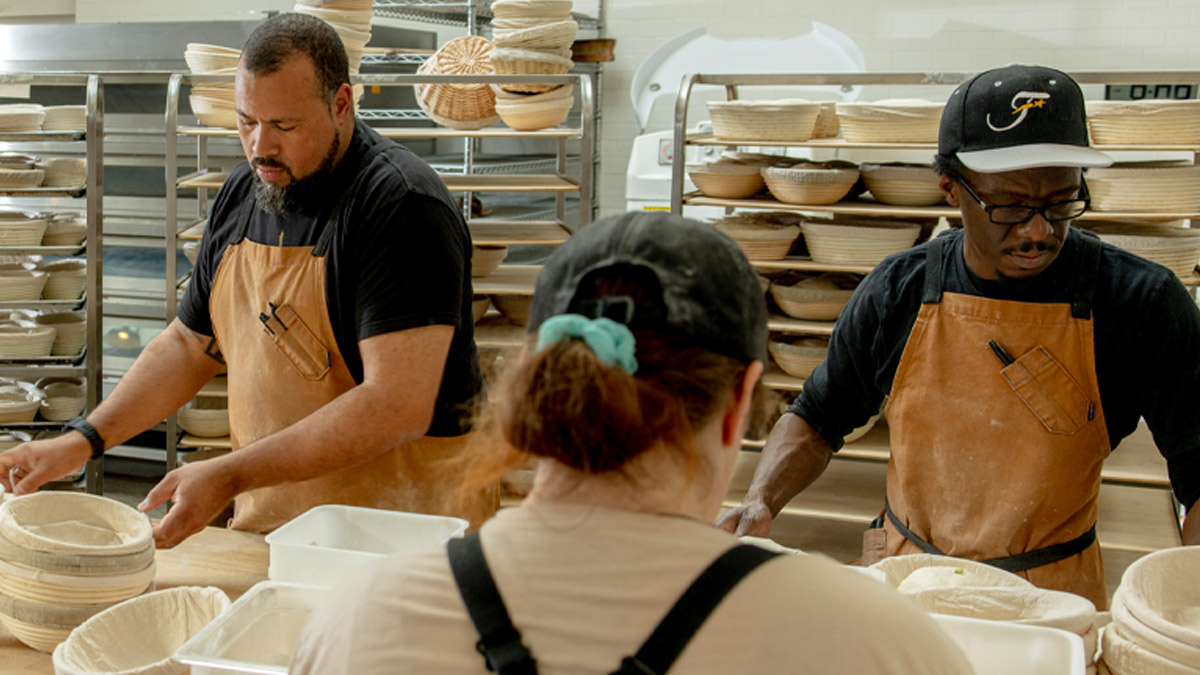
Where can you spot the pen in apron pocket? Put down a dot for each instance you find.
(1000, 353)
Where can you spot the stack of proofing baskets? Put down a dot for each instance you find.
(1156, 616)
(66, 556)
(532, 37)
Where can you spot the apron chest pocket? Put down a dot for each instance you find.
(1049, 391)
(297, 343)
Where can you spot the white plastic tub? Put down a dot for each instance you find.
(325, 543)
(1000, 648)
(257, 634)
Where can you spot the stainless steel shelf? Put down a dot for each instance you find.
(455, 13)
(41, 136)
(43, 192)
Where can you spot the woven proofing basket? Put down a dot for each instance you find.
(549, 36)
(1155, 187)
(798, 185)
(760, 242)
(1151, 122)
(816, 299)
(529, 62)
(459, 106)
(843, 244)
(902, 184)
(801, 358)
(779, 120)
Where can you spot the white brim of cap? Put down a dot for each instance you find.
(1031, 157)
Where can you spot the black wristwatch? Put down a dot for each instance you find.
(89, 432)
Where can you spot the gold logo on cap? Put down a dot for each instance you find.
(1022, 103)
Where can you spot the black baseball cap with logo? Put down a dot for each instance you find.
(707, 291)
(1017, 117)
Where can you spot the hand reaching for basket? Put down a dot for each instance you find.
(199, 492)
(31, 465)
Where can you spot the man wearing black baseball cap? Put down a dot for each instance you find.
(1015, 352)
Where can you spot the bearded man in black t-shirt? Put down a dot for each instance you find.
(334, 280)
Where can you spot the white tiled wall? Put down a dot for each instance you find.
(894, 35)
(899, 35)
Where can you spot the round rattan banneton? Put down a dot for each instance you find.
(459, 106)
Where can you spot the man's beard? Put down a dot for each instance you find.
(290, 198)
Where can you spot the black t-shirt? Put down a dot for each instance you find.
(1147, 346)
(399, 259)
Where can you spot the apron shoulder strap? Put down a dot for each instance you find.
(934, 272)
(336, 214)
(243, 219)
(1089, 270)
(499, 641)
(673, 633)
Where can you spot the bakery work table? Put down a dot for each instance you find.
(230, 560)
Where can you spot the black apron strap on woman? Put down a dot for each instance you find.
(1011, 563)
(335, 215)
(499, 641)
(692, 609)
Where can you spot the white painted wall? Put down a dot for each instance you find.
(899, 35)
(894, 35)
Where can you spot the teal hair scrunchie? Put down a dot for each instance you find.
(612, 342)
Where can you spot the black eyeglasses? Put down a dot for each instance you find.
(1019, 214)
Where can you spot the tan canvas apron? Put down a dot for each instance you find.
(270, 317)
(990, 461)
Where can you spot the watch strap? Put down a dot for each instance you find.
(89, 432)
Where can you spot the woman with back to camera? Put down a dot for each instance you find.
(647, 338)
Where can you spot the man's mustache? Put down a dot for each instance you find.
(268, 162)
(1033, 247)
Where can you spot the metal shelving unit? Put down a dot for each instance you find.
(552, 228)
(1138, 512)
(85, 365)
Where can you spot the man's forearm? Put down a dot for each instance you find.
(351, 429)
(1191, 526)
(795, 455)
(169, 371)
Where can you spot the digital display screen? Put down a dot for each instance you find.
(1138, 92)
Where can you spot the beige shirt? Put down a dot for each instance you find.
(586, 586)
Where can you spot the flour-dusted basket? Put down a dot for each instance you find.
(530, 112)
(207, 417)
(22, 228)
(18, 161)
(485, 259)
(213, 112)
(20, 117)
(1146, 122)
(18, 408)
(775, 120)
(21, 284)
(727, 179)
(65, 230)
(810, 183)
(799, 358)
(162, 622)
(479, 306)
(819, 298)
(62, 399)
(63, 172)
(530, 62)
(1176, 248)
(70, 331)
(516, 9)
(1156, 187)
(25, 340)
(550, 36)
(205, 58)
(21, 178)
(65, 118)
(827, 125)
(1159, 594)
(902, 184)
(459, 106)
(899, 120)
(86, 553)
(863, 242)
(67, 279)
(515, 308)
(760, 240)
